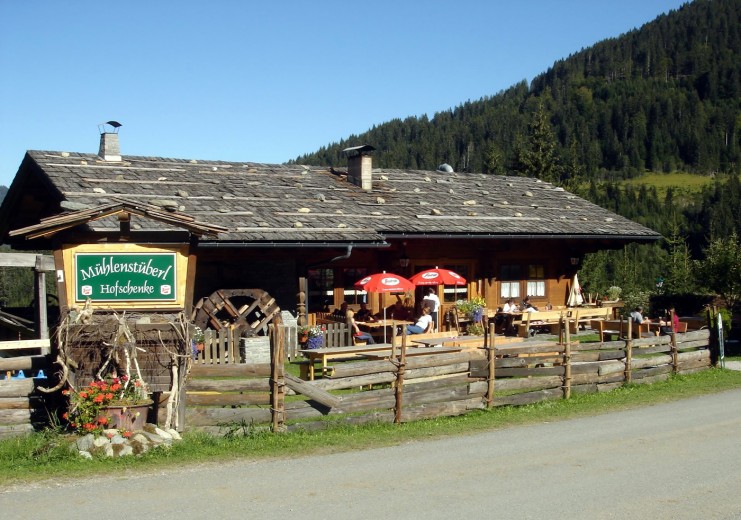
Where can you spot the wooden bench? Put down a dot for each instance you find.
(585, 316)
(620, 328)
(544, 319)
(693, 322)
(412, 338)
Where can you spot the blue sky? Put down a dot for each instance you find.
(267, 81)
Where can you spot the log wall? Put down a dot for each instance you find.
(22, 407)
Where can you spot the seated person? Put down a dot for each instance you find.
(424, 323)
(340, 312)
(637, 316)
(357, 334)
(364, 314)
(527, 306)
(669, 323)
(398, 312)
(510, 306)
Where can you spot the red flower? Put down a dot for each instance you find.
(126, 434)
(83, 395)
(103, 420)
(109, 396)
(98, 398)
(65, 416)
(115, 387)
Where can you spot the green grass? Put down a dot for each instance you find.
(47, 455)
(684, 184)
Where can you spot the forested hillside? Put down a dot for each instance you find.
(662, 97)
(665, 97)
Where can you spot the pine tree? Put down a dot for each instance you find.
(537, 158)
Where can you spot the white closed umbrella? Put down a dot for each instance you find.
(575, 297)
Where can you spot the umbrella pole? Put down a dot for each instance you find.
(383, 302)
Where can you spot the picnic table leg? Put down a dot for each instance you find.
(311, 368)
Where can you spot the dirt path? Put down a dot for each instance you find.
(676, 460)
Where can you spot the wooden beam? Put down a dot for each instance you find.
(316, 394)
(46, 262)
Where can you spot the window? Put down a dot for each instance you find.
(321, 289)
(453, 293)
(536, 280)
(349, 277)
(510, 281)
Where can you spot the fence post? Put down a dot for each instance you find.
(567, 361)
(629, 353)
(277, 376)
(491, 359)
(400, 376)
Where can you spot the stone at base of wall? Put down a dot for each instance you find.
(112, 443)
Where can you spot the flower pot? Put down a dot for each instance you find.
(127, 417)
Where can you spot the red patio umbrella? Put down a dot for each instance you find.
(384, 283)
(437, 276)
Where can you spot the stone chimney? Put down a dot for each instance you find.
(109, 150)
(360, 165)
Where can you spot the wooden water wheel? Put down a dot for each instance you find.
(247, 310)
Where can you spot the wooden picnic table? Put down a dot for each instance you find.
(411, 351)
(378, 351)
(327, 353)
(377, 328)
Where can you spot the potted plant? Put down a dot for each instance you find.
(198, 339)
(311, 337)
(111, 403)
(473, 309)
(613, 293)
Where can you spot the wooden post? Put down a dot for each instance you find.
(491, 360)
(190, 276)
(710, 313)
(277, 376)
(42, 326)
(399, 390)
(628, 352)
(567, 361)
(302, 317)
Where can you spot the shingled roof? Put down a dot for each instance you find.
(311, 204)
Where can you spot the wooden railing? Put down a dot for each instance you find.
(408, 388)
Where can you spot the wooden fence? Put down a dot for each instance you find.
(411, 388)
(22, 407)
(224, 346)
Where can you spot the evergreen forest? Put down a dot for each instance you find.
(663, 98)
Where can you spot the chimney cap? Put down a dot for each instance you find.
(113, 124)
(363, 149)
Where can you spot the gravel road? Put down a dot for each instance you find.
(677, 460)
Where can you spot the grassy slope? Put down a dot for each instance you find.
(684, 184)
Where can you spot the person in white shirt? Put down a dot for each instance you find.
(424, 323)
(431, 300)
(510, 306)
